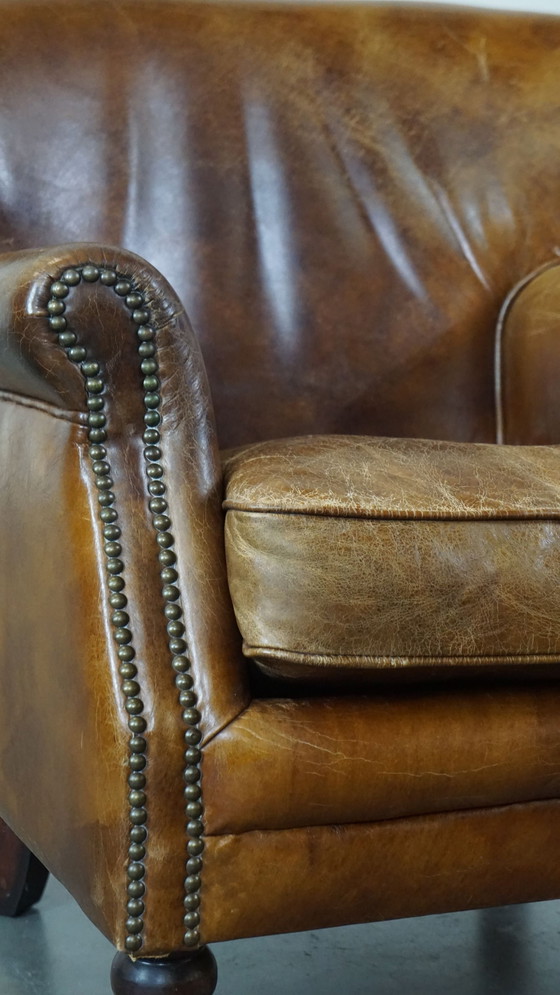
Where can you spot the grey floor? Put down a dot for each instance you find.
(54, 950)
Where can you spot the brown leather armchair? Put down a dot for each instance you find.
(348, 711)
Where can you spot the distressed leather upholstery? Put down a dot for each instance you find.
(353, 203)
(347, 553)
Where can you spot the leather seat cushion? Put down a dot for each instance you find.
(360, 555)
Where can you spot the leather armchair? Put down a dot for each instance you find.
(280, 614)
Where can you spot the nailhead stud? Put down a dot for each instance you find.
(90, 274)
(76, 354)
(71, 277)
(66, 339)
(56, 307)
(59, 289)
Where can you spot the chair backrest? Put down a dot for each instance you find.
(342, 195)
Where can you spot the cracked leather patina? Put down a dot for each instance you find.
(349, 200)
(354, 553)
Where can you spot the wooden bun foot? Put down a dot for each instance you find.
(180, 974)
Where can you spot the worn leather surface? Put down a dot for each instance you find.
(359, 759)
(364, 477)
(63, 745)
(273, 882)
(342, 195)
(63, 733)
(528, 361)
(349, 552)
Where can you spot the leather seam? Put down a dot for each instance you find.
(376, 822)
(226, 724)
(282, 652)
(547, 516)
(22, 401)
(499, 344)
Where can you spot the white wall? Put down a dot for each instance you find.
(544, 6)
(534, 6)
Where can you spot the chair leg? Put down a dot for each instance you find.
(181, 974)
(22, 876)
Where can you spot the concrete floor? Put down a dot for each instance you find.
(54, 950)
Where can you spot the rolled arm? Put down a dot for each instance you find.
(118, 640)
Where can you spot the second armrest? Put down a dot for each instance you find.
(528, 361)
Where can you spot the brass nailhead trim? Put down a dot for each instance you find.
(95, 387)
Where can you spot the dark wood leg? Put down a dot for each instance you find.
(22, 876)
(180, 974)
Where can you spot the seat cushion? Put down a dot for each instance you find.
(360, 555)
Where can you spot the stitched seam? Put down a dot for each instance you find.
(251, 650)
(400, 516)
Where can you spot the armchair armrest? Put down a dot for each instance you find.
(528, 360)
(114, 593)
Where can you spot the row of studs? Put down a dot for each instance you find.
(178, 649)
(97, 432)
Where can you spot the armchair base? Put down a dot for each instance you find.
(22, 875)
(182, 974)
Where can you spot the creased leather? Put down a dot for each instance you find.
(341, 194)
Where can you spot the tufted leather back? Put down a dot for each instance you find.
(341, 195)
